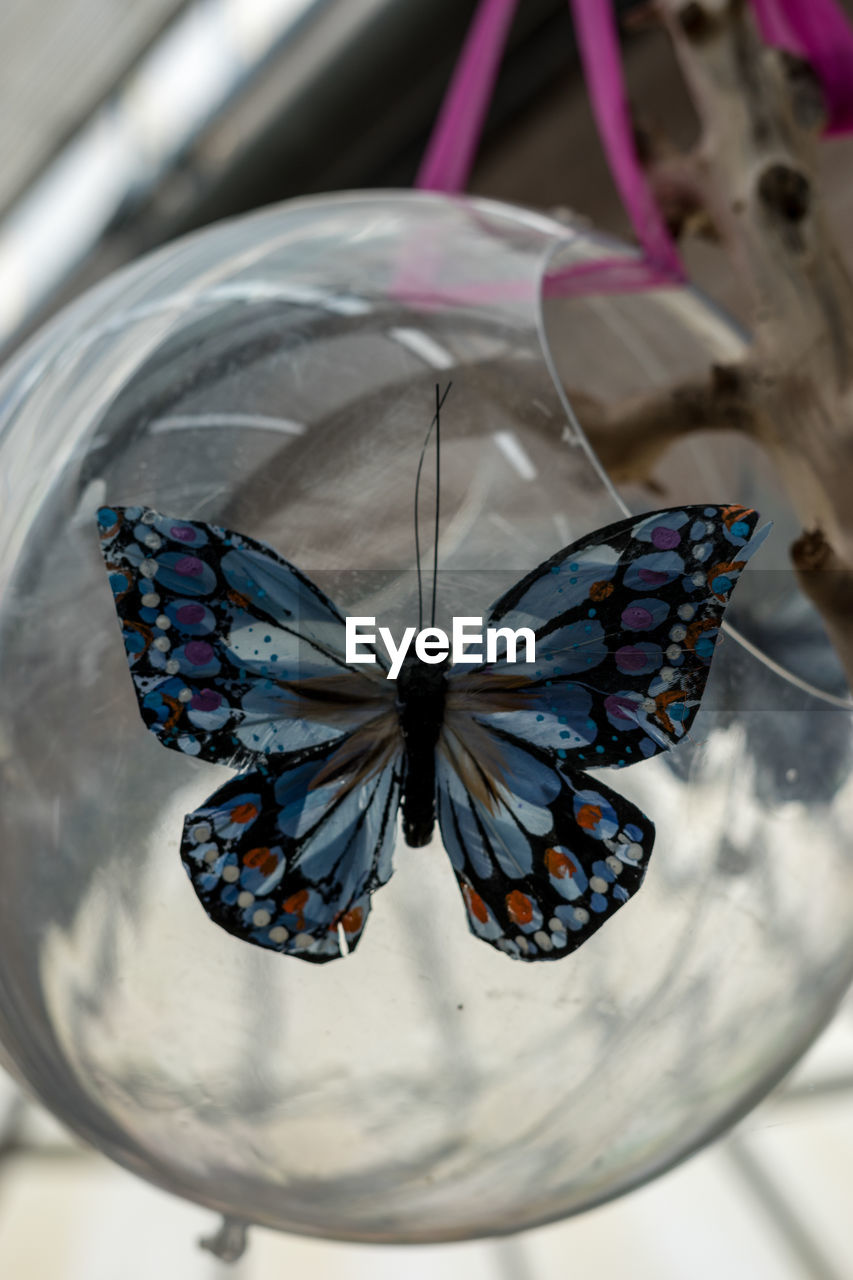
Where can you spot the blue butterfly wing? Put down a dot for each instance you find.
(625, 622)
(542, 857)
(287, 855)
(235, 655)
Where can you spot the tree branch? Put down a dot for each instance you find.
(754, 177)
(629, 438)
(828, 582)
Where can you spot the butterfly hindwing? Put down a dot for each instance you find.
(543, 858)
(286, 856)
(625, 622)
(235, 655)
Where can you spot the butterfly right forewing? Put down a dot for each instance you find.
(626, 621)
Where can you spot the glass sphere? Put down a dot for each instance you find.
(275, 375)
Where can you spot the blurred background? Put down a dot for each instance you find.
(123, 126)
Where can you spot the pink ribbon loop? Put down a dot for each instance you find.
(449, 156)
(817, 30)
(820, 32)
(598, 42)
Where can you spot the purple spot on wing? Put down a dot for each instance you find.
(629, 659)
(189, 567)
(190, 613)
(205, 699)
(665, 538)
(636, 618)
(198, 652)
(183, 532)
(621, 708)
(652, 577)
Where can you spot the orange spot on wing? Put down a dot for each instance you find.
(559, 864)
(476, 905)
(695, 630)
(519, 906)
(176, 710)
(261, 860)
(665, 700)
(722, 570)
(588, 816)
(352, 920)
(140, 627)
(244, 813)
(241, 601)
(295, 906)
(600, 590)
(731, 515)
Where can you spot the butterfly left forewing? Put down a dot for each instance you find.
(543, 858)
(235, 654)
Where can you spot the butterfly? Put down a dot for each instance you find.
(238, 658)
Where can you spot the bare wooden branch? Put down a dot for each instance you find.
(761, 123)
(629, 438)
(754, 174)
(827, 580)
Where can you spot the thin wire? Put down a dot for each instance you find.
(438, 404)
(437, 492)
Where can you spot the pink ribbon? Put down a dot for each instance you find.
(453, 144)
(820, 32)
(598, 43)
(816, 30)
(450, 154)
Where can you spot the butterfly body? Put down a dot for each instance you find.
(238, 658)
(420, 699)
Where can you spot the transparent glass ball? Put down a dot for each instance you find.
(275, 375)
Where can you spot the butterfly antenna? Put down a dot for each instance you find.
(437, 492)
(439, 401)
